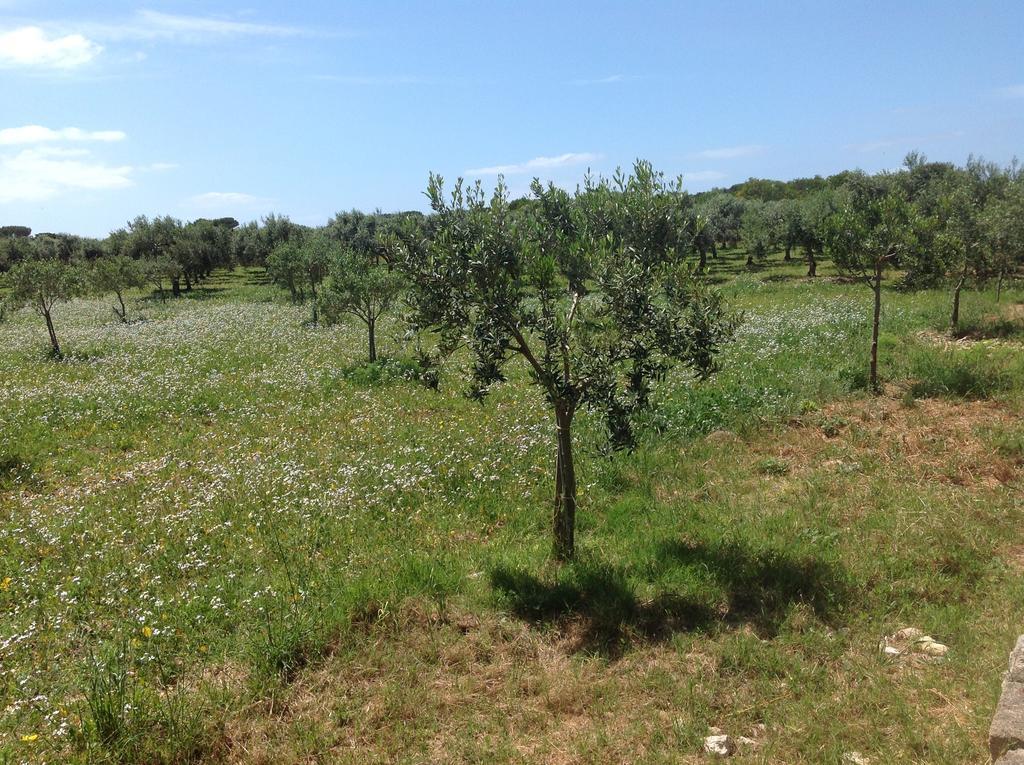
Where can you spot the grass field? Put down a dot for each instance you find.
(225, 539)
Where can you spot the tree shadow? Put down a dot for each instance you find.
(601, 604)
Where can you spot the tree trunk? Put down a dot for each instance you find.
(750, 260)
(188, 283)
(714, 250)
(176, 287)
(565, 487)
(703, 259)
(371, 327)
(788, 255)
(999, 284)
(875, 321)
(954, 318)
(812, 263)
(123, 315)
(53, 335)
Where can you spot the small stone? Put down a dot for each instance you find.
(931, 647)
(855, 758)
(912, 640)
(721, 745)
(747, 743)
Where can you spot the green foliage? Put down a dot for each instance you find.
(361, 286)
(116, 274)
(42, 284)
(590, 290)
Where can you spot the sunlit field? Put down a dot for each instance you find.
(226, 538)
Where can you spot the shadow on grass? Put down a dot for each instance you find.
(742, 586)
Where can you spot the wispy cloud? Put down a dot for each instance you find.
(35, 134)
(32, 47)
(537, 163)
(221, 200)
(730, 152)
(1010, 91)
(699, 176)
(611, 79)
(36, 174)
(155, 25)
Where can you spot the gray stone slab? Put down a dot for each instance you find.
(1007, 730)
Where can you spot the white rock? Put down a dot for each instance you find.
(722, 745)
(911, 640)
(855, 758)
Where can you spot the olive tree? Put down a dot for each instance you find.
(867, 235)
(42, 284)
(589, 290)
(1002, 221)
(360, 286)
(116, 274)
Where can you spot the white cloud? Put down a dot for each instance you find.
(33, 47)
(220, 200)
(32, 134)
(730, 152)
(42, 173)
(1010, 91)
(700, 176)
(154, 25)
(537, 163)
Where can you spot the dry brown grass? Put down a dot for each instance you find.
(452, 688)
(933, 440)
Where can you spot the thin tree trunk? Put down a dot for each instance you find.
(812, 263)
(876, 320)
(788, 255)
(703, 259)
(53, 335)
(954, 318)
(124, 311)
(750, 260)
(371, 326)
(176, 287)
(188, 283)
(565, 488)
(999, 284)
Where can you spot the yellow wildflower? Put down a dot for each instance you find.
(28, 738)
(5, 583)
(147, 632)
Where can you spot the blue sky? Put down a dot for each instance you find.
(110, 109)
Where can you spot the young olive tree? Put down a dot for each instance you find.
(868, 235)
(1002, 221)
(360, 286)
(815, 210)
(161, 271)
(589, 290)
(116, 274)
(42, 284)
(286, 267)
(962, 242)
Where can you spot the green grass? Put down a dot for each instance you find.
(206, 509)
